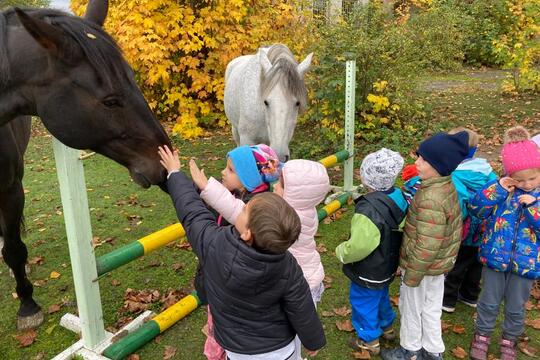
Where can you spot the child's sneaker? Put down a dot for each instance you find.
(431, 356)
(373, 347)
(389, 334)
(448, 308)
(470, 303)
(508, 349)
(400, 353)
(479, 347)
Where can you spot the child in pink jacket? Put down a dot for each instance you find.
(303, 184)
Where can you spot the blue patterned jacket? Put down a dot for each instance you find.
(511, 241)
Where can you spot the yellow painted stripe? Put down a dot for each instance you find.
(162, 237)
(176, 312)
(329, 160)
(332, 207)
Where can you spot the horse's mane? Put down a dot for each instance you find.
(284, 70)
(98, 47)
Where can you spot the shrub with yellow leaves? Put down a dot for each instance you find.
(519, 48)
(179, 49)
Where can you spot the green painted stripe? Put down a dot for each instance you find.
(343, 198)
(322, 214)
(119, 257)
(133, 341)
(342, 155)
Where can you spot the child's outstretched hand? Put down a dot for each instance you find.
(198, 176)
(508, 183)
(169, 159)
(526, 199)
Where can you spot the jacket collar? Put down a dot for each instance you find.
(437, 180)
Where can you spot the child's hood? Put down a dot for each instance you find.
(473, 174)
(306, 183)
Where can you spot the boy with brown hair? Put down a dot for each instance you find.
(431, 241)
(256, 290)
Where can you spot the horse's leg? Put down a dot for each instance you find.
(236, 135)
(15, 254)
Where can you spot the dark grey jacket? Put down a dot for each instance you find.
(259, 301)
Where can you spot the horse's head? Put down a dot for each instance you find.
(75, 79)
(283, 94)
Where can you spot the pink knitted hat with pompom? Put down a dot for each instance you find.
(519, 152)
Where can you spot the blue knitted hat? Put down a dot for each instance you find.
(445, 152)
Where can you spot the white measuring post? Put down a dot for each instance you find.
(79, 233)
(350, 85)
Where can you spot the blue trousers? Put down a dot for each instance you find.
(371, 311)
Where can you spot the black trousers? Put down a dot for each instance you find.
(464, 279)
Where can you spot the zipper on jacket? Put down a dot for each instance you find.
(514, 242)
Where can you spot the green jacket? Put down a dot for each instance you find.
(432, 232)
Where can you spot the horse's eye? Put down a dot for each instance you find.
(265, 102)
(112, 102)
(297, 103)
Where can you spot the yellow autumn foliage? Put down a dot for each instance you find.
(179, 49)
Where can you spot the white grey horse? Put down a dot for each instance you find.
(264, 93)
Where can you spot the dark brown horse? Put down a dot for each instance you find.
(71, 74)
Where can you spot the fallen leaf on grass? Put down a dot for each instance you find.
(171, 297)
(345, 325)
(445, 326)
(529, 305)
(204, 330)
(133, 357)
(533, 323)
(170, 352)
(327, 313)
(37, 260)
(321, 248)
(115, 282)
(54, 308)
(39, 356)
(50, 329)
(362, 354)
(136, 301)
(527, 349)
(54, 275)
(40, 283)
(535, 292)
(327, 281)
(342, 311)
(458, 329)
(27, 338)
(184, 245)
(459, 352)
(177, 266)
(394, 300)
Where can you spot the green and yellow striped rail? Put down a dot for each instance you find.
(161, 322)
(333, 159)
(136, 249)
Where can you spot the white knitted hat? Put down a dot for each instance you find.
(380, 169)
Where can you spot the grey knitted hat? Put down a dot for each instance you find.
(380, 169)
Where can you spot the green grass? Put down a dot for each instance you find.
(118, 205)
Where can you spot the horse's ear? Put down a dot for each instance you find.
(48, 36)
(96, 11)
(304, 65)
(264, 61)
